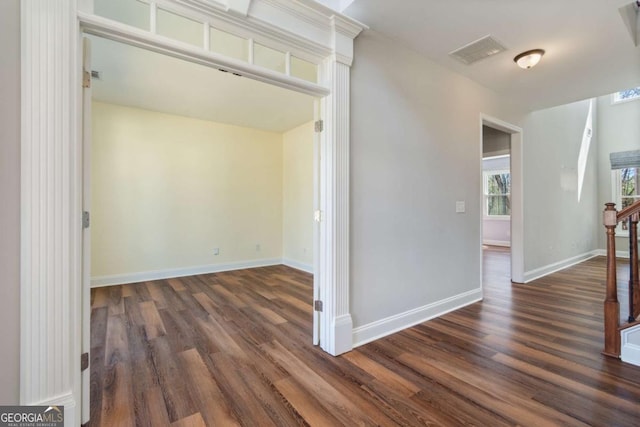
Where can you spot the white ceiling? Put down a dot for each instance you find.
(138, 78)
(589, 51)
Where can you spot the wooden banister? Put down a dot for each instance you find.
(611, 304)
(634, 282)
(611, 218)
(628, 211)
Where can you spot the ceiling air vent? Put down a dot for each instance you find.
(478, 50)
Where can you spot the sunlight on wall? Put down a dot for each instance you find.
(584, 149)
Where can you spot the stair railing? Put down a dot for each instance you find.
(611, 218)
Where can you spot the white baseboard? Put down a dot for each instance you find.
(557, 266)
(68, 401)
(619, 254)
(297, 265)
(383, 327)
(506, 243)
(122, 279)
(343, 335)
(630, 345)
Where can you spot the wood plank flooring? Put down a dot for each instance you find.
(233, 349)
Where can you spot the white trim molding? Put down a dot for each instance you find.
(116, 31)
(383, 327)
(505, 243)
(51, 181)
(71, 409)
(145, 276)
(630, 345)
(307, 268)
(540, 272)
(619, 254)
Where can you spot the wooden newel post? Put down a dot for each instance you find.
(634, 283)
(611, 305)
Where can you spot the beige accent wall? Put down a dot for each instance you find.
(297, 196)
(10, 195)
(167, 190)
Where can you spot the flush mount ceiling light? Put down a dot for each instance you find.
(529, 58)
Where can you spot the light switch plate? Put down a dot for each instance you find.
(460, 208)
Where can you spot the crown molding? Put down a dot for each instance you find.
(347, 26)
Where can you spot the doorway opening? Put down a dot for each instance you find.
(496, 206)
(192, 171)
(501, 219)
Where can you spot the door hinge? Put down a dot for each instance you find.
(317, 305)
(86, 219)
(84, 361)
(317, 216)
(319, 125)
(86, 79)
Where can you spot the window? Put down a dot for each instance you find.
(628, 187)
(626, 95)
(497, 193)
(626, 191)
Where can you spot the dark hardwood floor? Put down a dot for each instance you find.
(234, 349)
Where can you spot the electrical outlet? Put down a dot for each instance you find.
(216, 251)
(258, 247)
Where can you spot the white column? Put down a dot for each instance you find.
(337, 326)
(341, 129)
(336, 334)
(50, 209)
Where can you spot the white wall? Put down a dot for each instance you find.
(558, 227)
(10, 195)
(618, 130)
(167, 190)
(415, 151)
(496, 231)
(297, 197)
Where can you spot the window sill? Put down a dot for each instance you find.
(497, 217)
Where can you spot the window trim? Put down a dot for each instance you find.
(485, 196)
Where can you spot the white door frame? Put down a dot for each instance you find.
(517, 199)
(51, 172)
(86, 229)
(317, 143)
